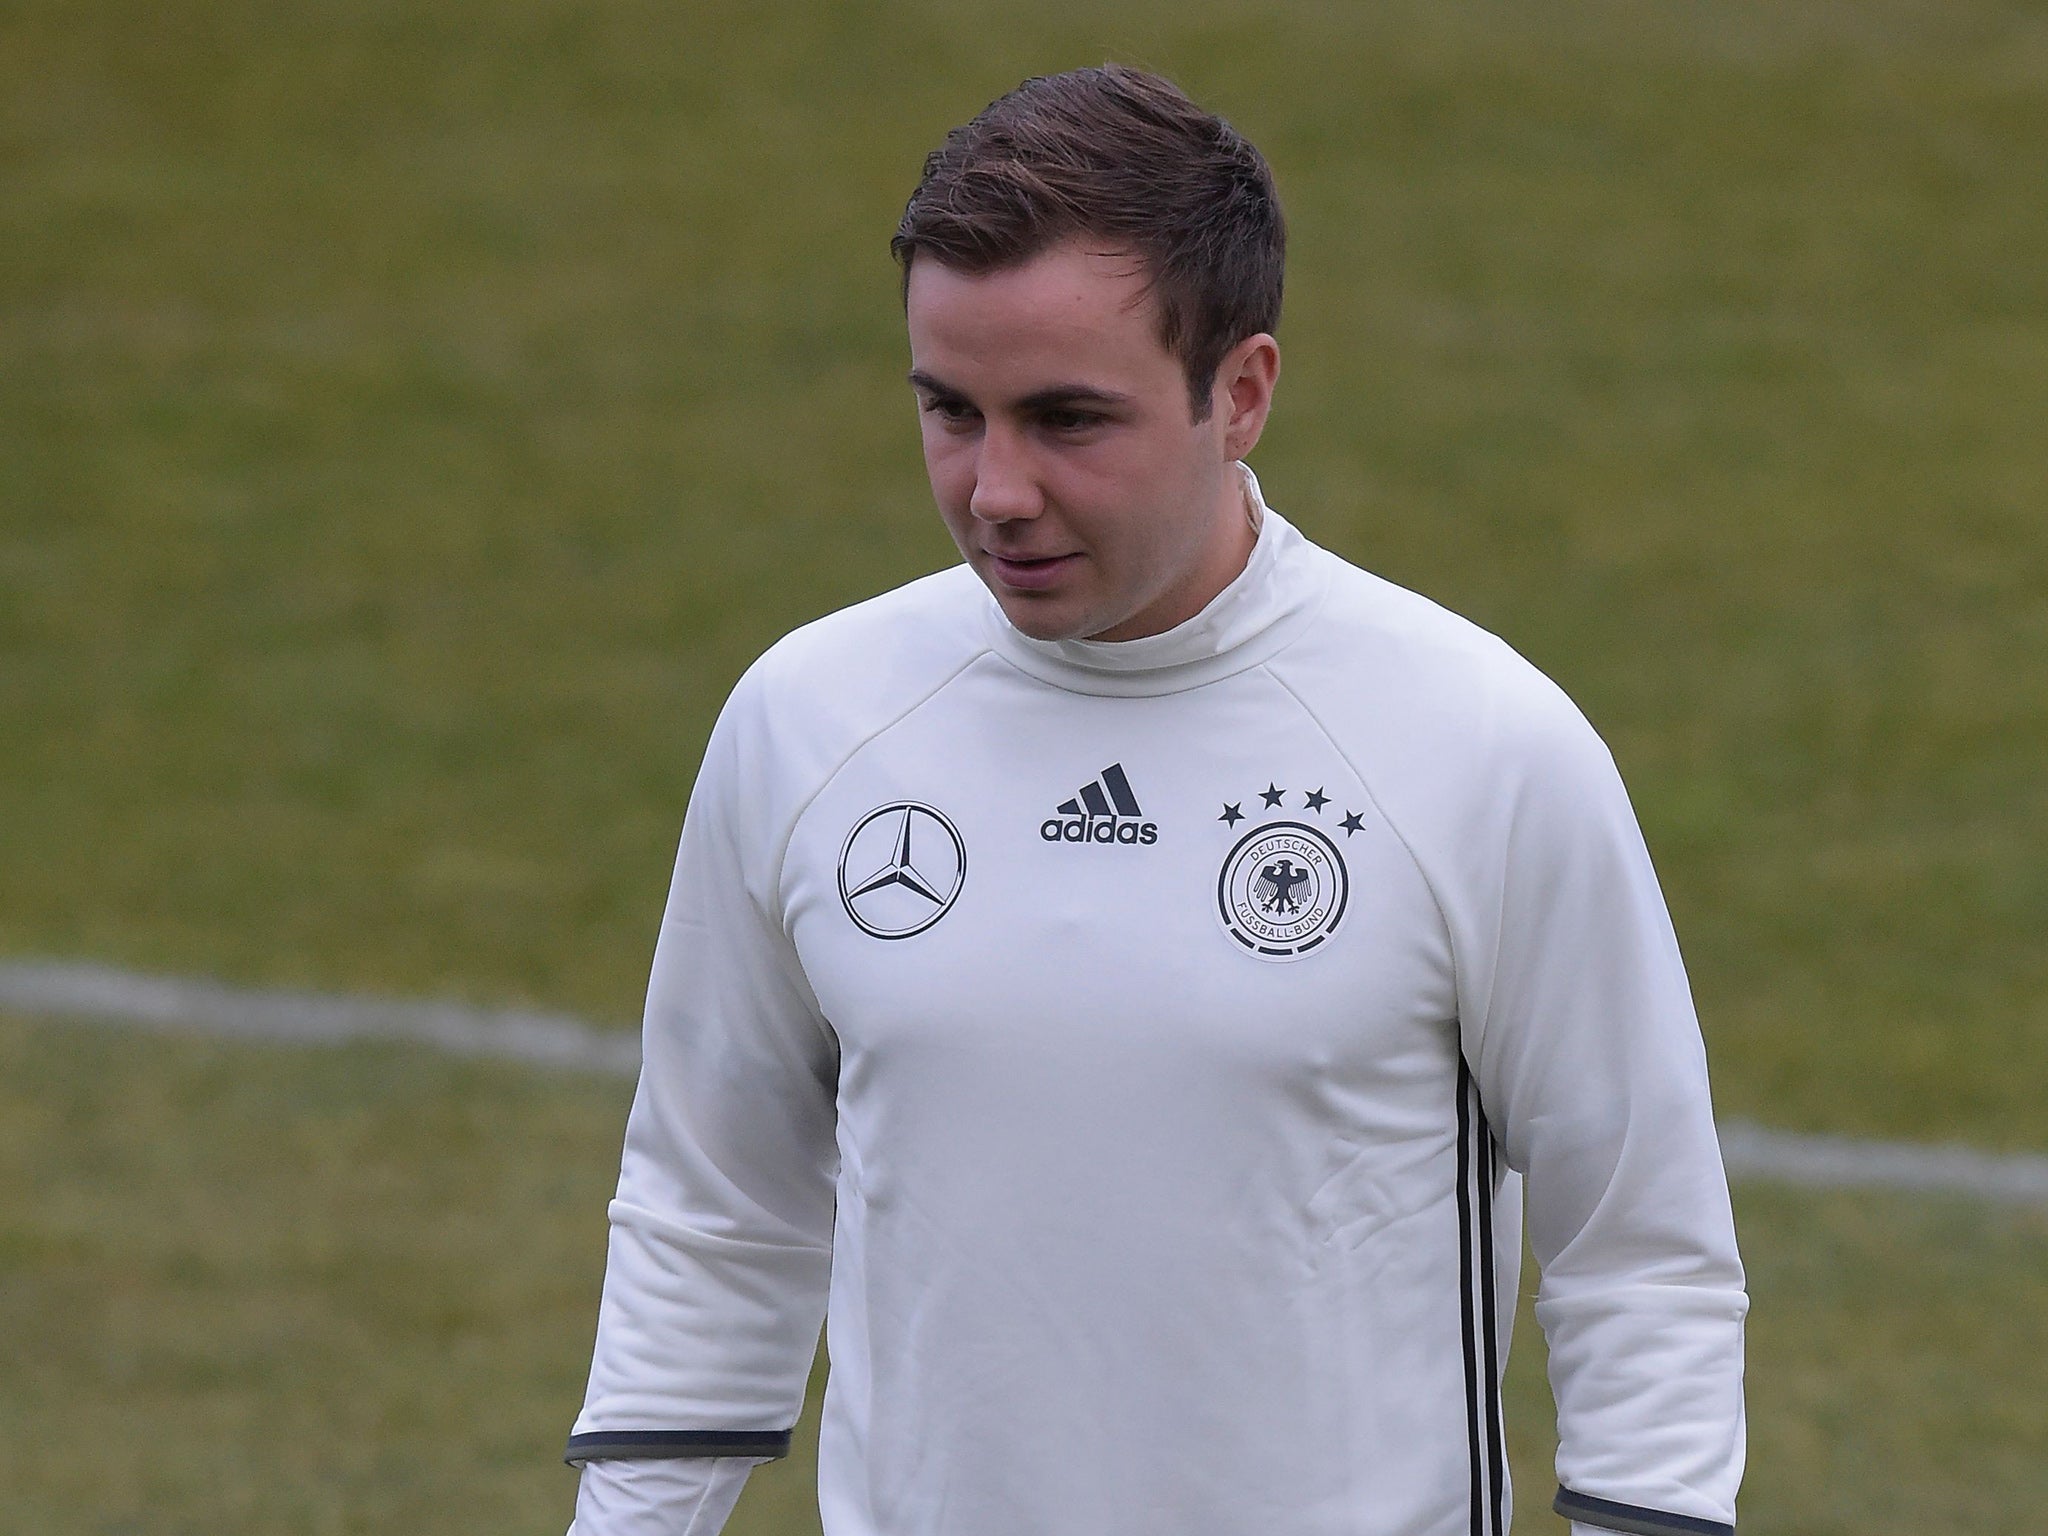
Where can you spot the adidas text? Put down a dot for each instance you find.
(1097, 829)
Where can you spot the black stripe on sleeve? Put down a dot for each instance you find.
(1632, 1519)
(1489, 1321)
(659, 1444)
(1465, 1299)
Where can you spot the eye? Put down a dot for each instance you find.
(950, 412)
(1067, 422)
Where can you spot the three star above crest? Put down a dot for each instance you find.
(1316, 800)
(1271, 795)
(1232, 815)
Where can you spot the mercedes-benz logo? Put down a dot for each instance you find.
(901, 869)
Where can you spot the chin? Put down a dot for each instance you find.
(1047, 621)
(1045, 626)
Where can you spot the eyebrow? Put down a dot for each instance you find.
(1052, 397)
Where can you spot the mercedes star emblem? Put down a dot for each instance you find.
(901, 869)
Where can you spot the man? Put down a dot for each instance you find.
(1109, 983)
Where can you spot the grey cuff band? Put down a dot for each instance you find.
(1632, 1519)
(659, 1444)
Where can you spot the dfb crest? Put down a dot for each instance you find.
(1282, 890)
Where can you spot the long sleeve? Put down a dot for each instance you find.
(720, 1247)
(1580, 1027)
(658, 1498)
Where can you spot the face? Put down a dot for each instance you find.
(1062, 454)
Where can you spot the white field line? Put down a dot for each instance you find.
(57, 989)
(60, 989)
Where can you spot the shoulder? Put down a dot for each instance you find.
(822, 690)
(870, 660)
(1404, 678)
(1487, 772)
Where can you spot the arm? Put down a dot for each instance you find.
(720, 1245)
(1580, 1029)
(658, 1498)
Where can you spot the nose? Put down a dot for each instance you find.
(1005, 489)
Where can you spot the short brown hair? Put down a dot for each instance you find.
(1122, 156)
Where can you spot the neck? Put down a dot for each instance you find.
(1233, 531)
(1253, 617)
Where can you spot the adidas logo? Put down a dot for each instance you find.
(1106, 811)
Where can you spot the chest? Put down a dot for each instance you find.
(1197, 884)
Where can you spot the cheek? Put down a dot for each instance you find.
(949, 464)
(1140, 493)
(951, 472)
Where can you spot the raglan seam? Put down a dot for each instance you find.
(1379, 805)
(803, 806)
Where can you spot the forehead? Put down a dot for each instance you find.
(1069, 312)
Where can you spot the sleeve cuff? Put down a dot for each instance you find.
(656, 1444)
(1632, 1519)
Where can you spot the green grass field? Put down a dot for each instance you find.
(413, 418)
(247, 1291)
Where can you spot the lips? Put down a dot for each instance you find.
(1029, 574)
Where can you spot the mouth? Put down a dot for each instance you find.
(1030, 573)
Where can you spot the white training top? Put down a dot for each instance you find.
(1123, 1048)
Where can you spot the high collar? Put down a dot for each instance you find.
(1268, 603)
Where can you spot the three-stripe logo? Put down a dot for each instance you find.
(1105, 811)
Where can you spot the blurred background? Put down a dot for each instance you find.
(414, 416)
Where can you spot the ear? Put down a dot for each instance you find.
(1243, 391)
